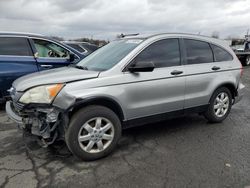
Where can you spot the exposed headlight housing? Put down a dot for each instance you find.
(41, 94)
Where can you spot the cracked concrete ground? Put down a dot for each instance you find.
(183, 152)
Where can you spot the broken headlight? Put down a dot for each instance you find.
(41, 94)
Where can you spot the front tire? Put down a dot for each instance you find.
(93, 132)
(220, 105)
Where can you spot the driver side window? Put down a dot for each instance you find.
(50, 50)
(163, 53)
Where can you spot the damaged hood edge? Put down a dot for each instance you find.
(53, 76)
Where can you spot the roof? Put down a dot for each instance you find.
(146, 36)
(21, 34)
(177, 35)
(76, 42)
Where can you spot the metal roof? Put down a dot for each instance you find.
(166, 34)
(20, 34)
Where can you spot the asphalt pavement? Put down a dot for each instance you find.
(183, 152)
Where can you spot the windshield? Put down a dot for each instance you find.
(109, 55)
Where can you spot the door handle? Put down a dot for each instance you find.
(176, 72)
(46, 66)
(215, 68)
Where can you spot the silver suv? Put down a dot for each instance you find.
(131, 81)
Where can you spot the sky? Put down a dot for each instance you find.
(105, 19)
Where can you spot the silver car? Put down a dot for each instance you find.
(131, 81)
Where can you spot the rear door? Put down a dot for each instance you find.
(16, 60)
(50, 54)
(201, 72)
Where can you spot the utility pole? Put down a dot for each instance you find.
(247, 37)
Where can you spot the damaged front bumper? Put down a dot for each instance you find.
(46, 122)
(12, 114)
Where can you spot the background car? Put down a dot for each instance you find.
(82, 47)
(24, 53)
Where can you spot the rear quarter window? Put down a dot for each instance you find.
(220, 54)
(14, 46)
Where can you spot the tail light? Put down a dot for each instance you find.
(241, 70)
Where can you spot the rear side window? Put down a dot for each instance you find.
(163, 53)
(90, 47)
(15, 46)
(198, 52)
(77, 47)
(221, 54)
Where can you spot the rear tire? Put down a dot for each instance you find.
(220, 105)
(93, 132)
(247, 62)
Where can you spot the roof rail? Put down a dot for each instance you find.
(127, 35)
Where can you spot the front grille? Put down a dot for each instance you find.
(18, 106)
(15, 96)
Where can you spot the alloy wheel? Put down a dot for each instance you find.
(248, 61)
(96, 135)
(221, 104)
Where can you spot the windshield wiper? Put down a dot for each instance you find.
(78, 66)
(81, 67)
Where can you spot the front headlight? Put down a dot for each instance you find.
(41, 94)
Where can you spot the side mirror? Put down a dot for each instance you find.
(142, 67)
(71, 57)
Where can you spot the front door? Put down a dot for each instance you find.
(49, 54)
(159, 91)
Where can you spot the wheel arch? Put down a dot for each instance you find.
(102, 101)
(228, 85)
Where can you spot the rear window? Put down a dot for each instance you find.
(15, 46)
(221, 54)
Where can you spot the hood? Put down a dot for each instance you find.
(53, 76)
